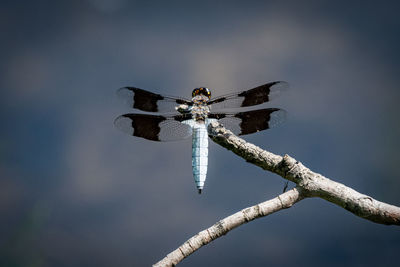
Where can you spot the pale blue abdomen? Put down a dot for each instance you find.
(199, 154)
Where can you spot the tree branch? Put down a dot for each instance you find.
(314, 184)
(309, 184)
(222, 227)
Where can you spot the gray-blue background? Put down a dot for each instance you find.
(74, 191)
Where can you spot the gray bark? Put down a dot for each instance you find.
(308, 184)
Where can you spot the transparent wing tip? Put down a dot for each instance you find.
(124, 91)
(277, 89)
(125, 95)
(124, 124)
(282, 85)
(277, 118)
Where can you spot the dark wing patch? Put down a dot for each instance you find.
(250, 121)
(155, 127)
(252, 97)
(147, 101)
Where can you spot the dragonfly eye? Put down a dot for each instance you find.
(201, 91)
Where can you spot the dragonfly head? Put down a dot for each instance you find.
(201, 91)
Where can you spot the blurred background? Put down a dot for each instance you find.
(75, 191)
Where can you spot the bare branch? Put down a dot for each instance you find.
(309, 184)
(229, 223)
(316, 185)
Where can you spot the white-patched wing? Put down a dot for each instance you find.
(147, 101)
(248, 122)
(154, 127)
(258, 95)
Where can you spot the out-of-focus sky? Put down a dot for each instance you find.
(74, 191)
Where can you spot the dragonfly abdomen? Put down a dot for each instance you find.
(199, 154)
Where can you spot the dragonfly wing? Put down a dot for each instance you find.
(252, 97)
(253, 121)
(155, 127)
(147, 101)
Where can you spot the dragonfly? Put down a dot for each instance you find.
(168, 118)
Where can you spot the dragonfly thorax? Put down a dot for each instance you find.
(200, 109)
(200, 100)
